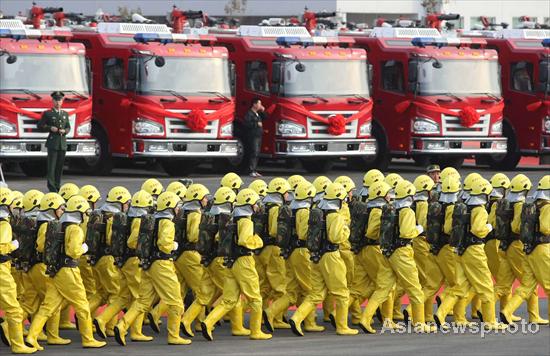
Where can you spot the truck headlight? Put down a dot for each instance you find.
(546, 124)
(287, 128)
(227, 130)
(84, 129)
(7, 128)
(496, 128)
(365, 129)
(145, 127)
(425, 126)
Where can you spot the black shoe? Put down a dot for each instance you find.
(118, 338)
(267, 324)
(185, 331)
(152, 323)
(98, 330)
(406, 316)
(438, 301)
(504, 320)
(332, 320)
(294, 328)
(437, 321)
(205, 333)
(480, 316)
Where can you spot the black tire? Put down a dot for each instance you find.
(316, 165)
(382, 158)
(178, 167)
(34, 168)
(510, 160)
(102, 164)
(234, 164)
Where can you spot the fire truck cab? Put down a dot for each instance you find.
(524, 57)
(315, 91)
(436, 99)
(159, 95)
(33, 64)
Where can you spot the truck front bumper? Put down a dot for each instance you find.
(185, 148)
(325, 148)
(459, 145)
(36, 148)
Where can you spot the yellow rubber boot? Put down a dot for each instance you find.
(256, 332)
(37, 324)
(52, 331)
(275, 309)
(418, 320)
(342, 327)
(533, 309)
(386, 309)
(86, 334)
(460, 313)
(355, 310)
(65, 322)
(429, 310)
(189, 316)
(15, 331)
(207, 326)
(446, 305)
(300, 314)
(503, 301)
(328, 308)
(5, 332)
(507, 312)
(136, 331)
(236, 318)
(366, 318)
(173, 327)
(310, 323)
(489, 319)
(475, 305)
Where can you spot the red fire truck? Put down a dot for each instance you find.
(33, 63)
(159, 95)
(315, 90)
(524, 56)
(436, 99)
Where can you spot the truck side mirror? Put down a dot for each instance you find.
(300, 67)
(11, 59)
(160, 61)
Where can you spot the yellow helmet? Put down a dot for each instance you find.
(196, 192)
(178, 188)
(449, 172)
(451, 184)
(500, 180)
(247, 197)
(77, 203)
(392, 179)
(31, 199)
(423, 183)
(404, 189)
(118, 194)
(278, 185)
(231, 180)
(68, 190)
(90, 193)
(544, 183)
(142, 199)
(346, 182)
(167, 200)
(481, 186)
(335, 191)
(51, 201)
(304, 190)
(520, 183)
(17, 201)
(470, 180)
(152, 186)
(6, 196)
(259, 186)
(378, 189)
(371, 177)
(321, 183)
(224, 195)
(294, 180)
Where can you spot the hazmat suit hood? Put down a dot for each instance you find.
(422, 196)
(273, 198)
(497, 193)
(317, 198)
(449, 198)
(46, 215)
(245, 210)
(465, 195)
(475, 200)
(364, 192)
(72, 217)
(32, 213)
(515, 197)
(377, 203)
(135, 212)
(4, 212)
(218, 209)
(403, 203)
(165, 214)
(333, 204)
(192, 205)
(542, 195)
(299, 204)
(109, 207)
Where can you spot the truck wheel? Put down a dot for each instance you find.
(382, 158)
(316, 165)
(233, 164)
(102, 163)
(34, 168)
(510, 159)
(178, 167)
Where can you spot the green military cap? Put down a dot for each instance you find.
(433, 168)
(57, 95)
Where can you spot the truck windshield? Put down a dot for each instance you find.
(187, 76)
(326, 78)
(45, 73)
(459, 77)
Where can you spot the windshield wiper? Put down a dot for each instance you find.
(217, 93)
(80, 95)
(174, 93)
(358, 96)
(316, 97)
(26, 91)
(492, 96)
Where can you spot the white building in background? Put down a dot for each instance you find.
(359, 11)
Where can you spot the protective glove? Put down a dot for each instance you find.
(490, 227)
(84, 248)
(15, 244)
(420, 228)
(175, 246)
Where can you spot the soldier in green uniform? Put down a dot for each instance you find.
(56, 122)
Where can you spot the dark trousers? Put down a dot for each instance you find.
(56, 160)
(254, 143)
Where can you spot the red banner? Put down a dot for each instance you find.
(468, 115)
(196, 119)
(337, 123)
(10, 107)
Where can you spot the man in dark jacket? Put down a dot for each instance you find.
(253, 135)
(56, 122)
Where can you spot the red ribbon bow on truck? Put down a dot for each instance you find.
(336, 123)
(10, 107)
(196, 119)
(468, 115)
